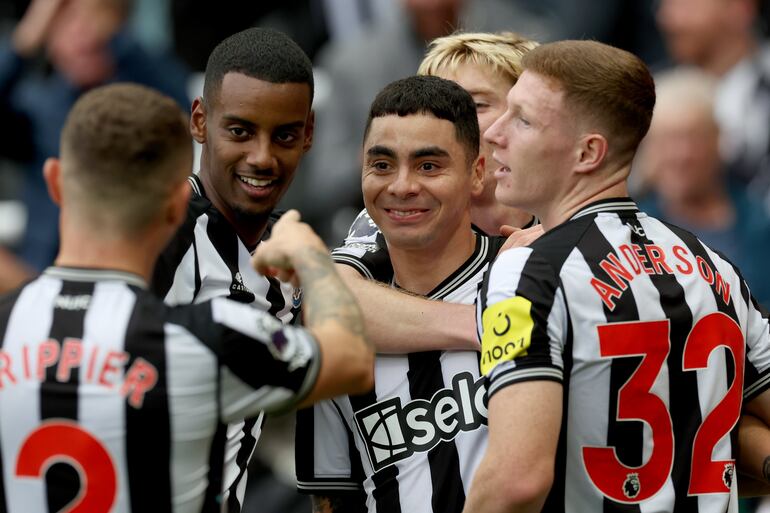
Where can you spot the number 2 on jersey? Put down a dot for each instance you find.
(637, 401)
(67, 442)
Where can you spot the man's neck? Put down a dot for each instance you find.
(81, 248)
(580, 195)
(248, 228)
(421, 270)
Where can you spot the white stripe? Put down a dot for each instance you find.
(191, 380)
(525, 374)
(194, 185)
(20, 403)
(101, 410)
(607, 207)
(95, 275)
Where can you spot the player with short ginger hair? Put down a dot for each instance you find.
(630, 344)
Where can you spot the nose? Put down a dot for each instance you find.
(403, 183)
(493, 134)
(259, 154)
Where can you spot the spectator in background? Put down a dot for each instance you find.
(680, 158)
(86, 45)
(356, 70)
(721, 37)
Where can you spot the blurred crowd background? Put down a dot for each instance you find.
(705, 164)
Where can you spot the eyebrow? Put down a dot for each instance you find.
(380, 151)
(250, 124)
(430, 151)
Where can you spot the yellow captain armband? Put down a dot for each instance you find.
(507, 332)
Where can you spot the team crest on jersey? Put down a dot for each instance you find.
(632, 486)
(393, 432)
(728, 475)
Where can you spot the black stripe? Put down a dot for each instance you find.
(626, 436)
(248, 442)
(224, 239)
(7, 302)
(425, 379)
(275, 297)
(304, 441)
(59, 400)
(386, 494)
(213, 496)
(148, 429)
(169, 260)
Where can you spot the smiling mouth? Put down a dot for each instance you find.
(256, 182)
(403, 213)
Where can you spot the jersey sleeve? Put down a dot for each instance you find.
(365, 250)
(264, 364)
(327, 461)
(522, 321)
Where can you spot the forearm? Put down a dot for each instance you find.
(331, 314)
(753, 449)
(399, 322)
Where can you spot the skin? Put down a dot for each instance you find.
(489, 90)
(253, 130)
(415, 183)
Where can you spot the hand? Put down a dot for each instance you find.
(290, 242)
(518, 237)
(31, 32)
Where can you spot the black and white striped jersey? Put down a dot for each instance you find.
(206, 259)
(656, 340)
(110, 400)
(412, 443)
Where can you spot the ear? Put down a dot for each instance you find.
(478, 175)
(309, 128)
(198, 121)
(52, 176)
(591, 153)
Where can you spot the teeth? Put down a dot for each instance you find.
(255, 181)
(404, 213)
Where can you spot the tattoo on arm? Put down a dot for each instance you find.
(326, 296)
(336, 504)
(766, 469)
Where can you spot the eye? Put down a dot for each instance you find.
(379, 166)
(523, 121)
(481, 105)
(238, 132)
(286, 137)
(428, 166)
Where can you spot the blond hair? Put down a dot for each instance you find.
(501, 51)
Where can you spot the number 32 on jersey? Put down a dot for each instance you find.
(636, 401)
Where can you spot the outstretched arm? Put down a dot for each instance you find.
(399, 322)
(295, 253)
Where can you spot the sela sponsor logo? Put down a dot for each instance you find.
(393, 432)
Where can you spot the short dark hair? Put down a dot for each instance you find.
(124, 147)
(425, 94)
(609, 85)
(260, 53)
